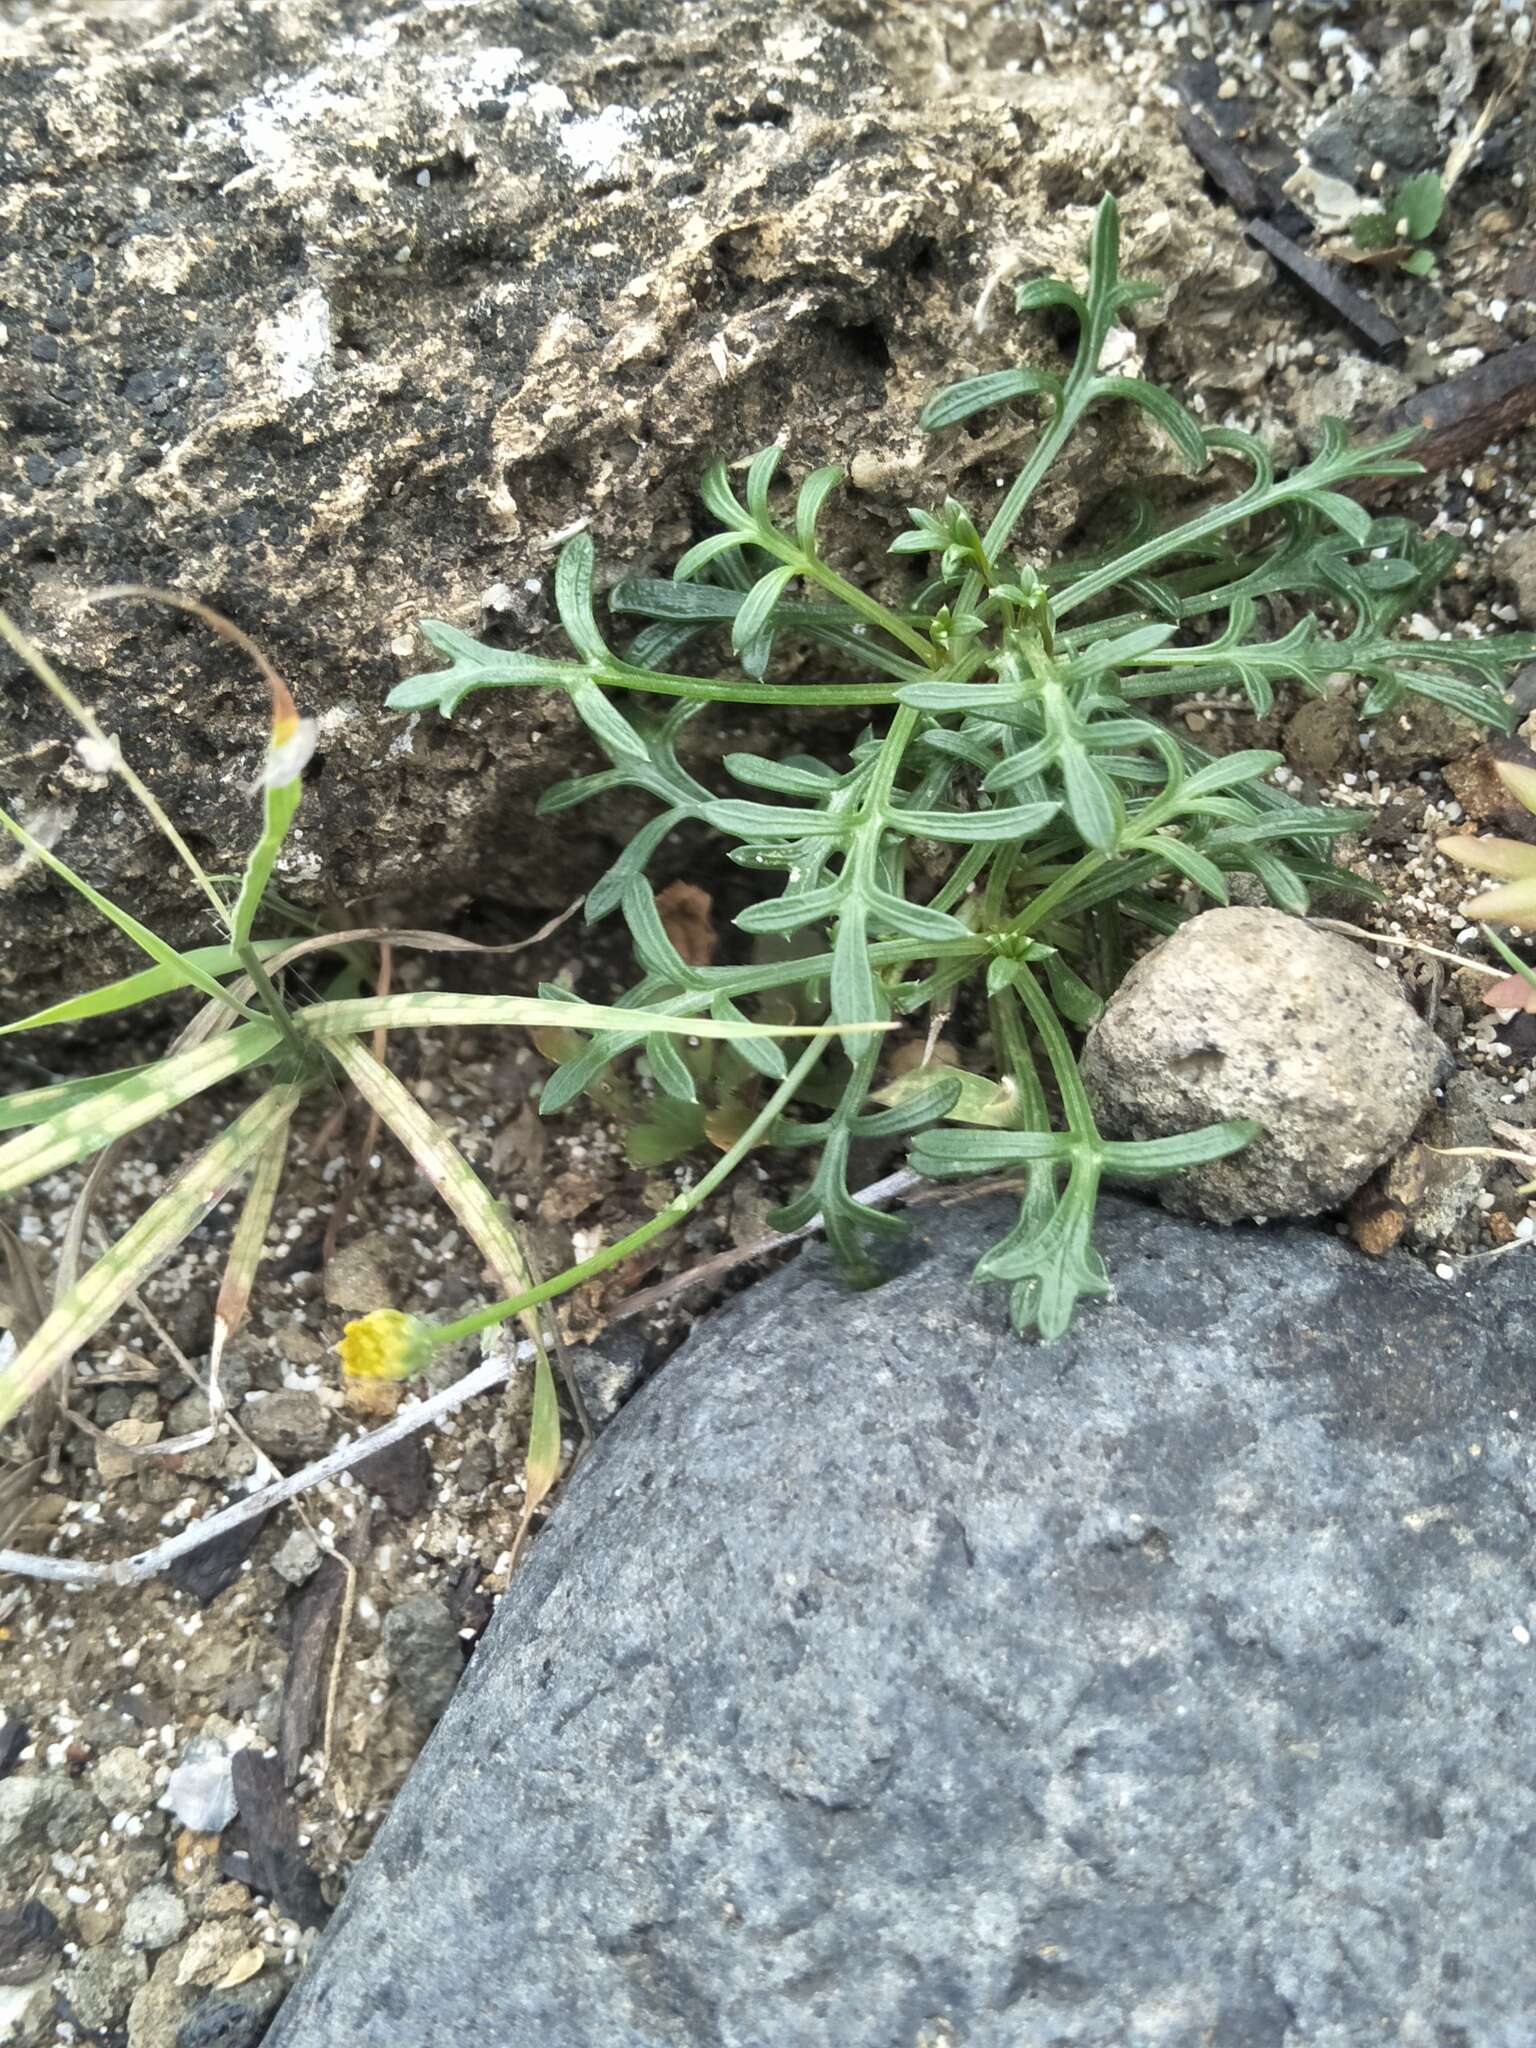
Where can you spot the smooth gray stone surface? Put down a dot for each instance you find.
(886, 1682)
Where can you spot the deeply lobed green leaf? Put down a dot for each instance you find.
(1013, 817)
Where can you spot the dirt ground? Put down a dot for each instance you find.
(96, 1679)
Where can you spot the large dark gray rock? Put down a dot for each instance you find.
(887, 1681)
(339, 312)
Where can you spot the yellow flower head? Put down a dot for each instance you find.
(386, 1345)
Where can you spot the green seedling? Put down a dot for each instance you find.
(1399, 231)
(1011, 822)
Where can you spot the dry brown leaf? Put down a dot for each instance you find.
(1513, 993)
(246, 1965)
(684, 910)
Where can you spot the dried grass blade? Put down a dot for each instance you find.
(416, 941)
(87, 721)
(541, 1468)
(245, 1249)
(109, 1283)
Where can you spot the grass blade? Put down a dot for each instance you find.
(430, 1012)
(84, 1126)
(98, 1295)
(86, 719)
(35, 1105)
(143, 987)
(439, 1159)
(147, 941)
(245, 1249)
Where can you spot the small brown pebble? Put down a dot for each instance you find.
(1375, 1223)
(371, 1400)
(226, 1899)
(1323, 737)
(1500, 1228)
(114, 1465)
(194, 1858)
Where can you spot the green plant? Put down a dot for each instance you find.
(1012, 818)
(248, 1026)
(1398, 232)
(1513, 861)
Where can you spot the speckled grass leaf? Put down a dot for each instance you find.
(431, 1012)
(435, 1153)
(102, 1291)
(36, 1105)
(85, 1124)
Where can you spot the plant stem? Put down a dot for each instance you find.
(1042, 455)
(272, 1002)
(859, 602)
(1074, 1096)
(684, 1205)
(88, 723)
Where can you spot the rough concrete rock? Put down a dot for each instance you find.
(1251, 1013)
(340, 319)
(885, 1679)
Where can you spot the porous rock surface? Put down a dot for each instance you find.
(885, 1681)
(1252, 1013)
(337, 315)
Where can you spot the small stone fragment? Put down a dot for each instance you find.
(160, 2006)
(359, 1276)
(155, 1917)
(210, 1950)
(1369, 129)
(1323, 737)
(292, 1426)
(100, 1987)
(422, 1646)
(30, 1938)
(41, 1812)
(123, 1780)
(234, 2016)
(297, 1558)
(114, 1465)
(1516, 560)
(1255, 1014)
(225, 1899)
